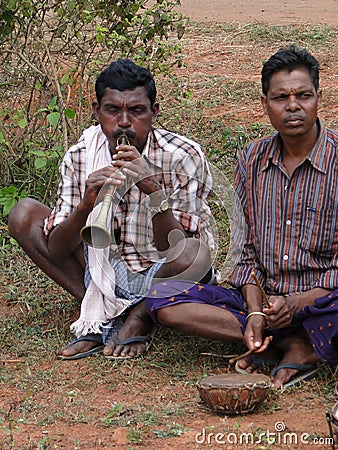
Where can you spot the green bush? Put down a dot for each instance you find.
(51, 53)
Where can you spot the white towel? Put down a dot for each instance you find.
(99, 304)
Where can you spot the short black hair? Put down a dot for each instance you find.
(124, 74)
(290, 58)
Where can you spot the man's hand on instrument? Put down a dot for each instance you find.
(99, 182)
(281, 312)
(129, 161)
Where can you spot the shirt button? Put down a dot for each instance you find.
(285, 187)
(286, 257)
(127, 219)
(288, 222)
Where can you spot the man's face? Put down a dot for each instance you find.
(292, 103)
(128, 112)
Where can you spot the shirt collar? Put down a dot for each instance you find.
(317, 156)
(151, 148)
(146, 148)
(273, 153)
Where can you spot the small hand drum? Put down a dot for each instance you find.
(234, 393)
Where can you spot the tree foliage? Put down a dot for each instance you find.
(51, 52)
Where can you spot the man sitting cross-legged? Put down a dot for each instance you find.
(159, 221)
(287, 187)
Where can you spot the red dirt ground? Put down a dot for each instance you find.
(282, 12)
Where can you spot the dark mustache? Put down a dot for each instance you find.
(130, 134)
(293, 117)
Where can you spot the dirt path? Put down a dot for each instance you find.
(282, 12)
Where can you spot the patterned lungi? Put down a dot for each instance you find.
(320, 321)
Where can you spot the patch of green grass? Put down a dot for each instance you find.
(254, 33)
(140, 421)
(234, 138)
(172, 430)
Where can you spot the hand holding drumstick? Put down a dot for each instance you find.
(268, 304)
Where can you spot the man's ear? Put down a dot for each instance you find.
(264, 104)
(155, 109)
(95, 109)
(320, 98)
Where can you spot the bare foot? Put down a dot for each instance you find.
(76, 348)
(138, 323)
(298, 350)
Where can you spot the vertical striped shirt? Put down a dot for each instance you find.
(291, 236)
(180, 167)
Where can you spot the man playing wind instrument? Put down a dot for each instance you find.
(159, 217)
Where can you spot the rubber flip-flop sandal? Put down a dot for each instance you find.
(306, 372)
(147, 340)
(99, 347)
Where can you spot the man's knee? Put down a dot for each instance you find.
(24, 214)
(166, 317)
(163, 315)
(191, 255)
(17, 216)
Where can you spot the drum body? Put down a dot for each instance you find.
(234, 393)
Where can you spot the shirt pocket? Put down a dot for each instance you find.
(319, 234)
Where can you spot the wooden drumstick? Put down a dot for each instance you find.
(268, 304)
(243, 355)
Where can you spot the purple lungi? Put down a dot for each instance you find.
(320, 321)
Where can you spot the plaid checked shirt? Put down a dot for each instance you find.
(180, 167)
(292, 233)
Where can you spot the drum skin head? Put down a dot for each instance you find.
(234, 393)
